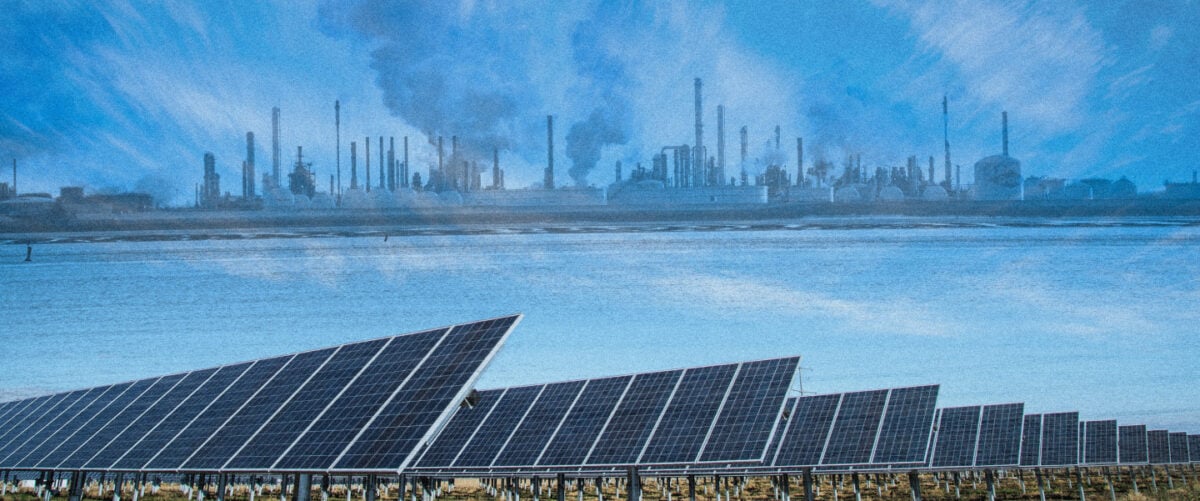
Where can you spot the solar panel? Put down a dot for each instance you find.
(743, 428)
(493, 433)
(40, 409)
(16, 412)
(626, 433)
(1179, 447)
(48, 442)
(957, 435)
(807, 430)
(1100, 442)
(307, 404)
(446, 446)
(1031, 440)
(98, 414)
(402, 425)
(584, 422)
(1158, 443)
(907, 423)
(527, 442)
(148, 420)
(1194, 448)
(114, 428)
(1000, 435)
(35, 438)
(689, 415)
(1060, 439)
(855, 428)
(179, 417)
(1131, 444)
(197, 433)
(319, 446)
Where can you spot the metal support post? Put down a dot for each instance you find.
(1079, 480)
(303, 487)
(561, 487)
(369, 488)
(857, 491)
(914, 483)
(991, 484)
(785, 486)
(1112, 492)
(808, 485)
(635, 484)
(691, 487)
(75, 486)
(957, 489)
(1041, 484)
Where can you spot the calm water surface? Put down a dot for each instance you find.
(1070, 317)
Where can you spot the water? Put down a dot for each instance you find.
(1099, 318)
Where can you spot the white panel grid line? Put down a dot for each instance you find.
(138, 417)
(210, 403)
(717, 417)
(832, 426)
(85, 424)
(611, 413)
(54, 420)
(786, 427)
(167, 414)
(110, 420)
(879, 429)
(561, 421)
(465, 445)
(528, 409)
(663, 412)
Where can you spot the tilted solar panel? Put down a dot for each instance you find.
(1031, 440)
(957, 435)
(493, 433)
(1131, 444)
(449, 442)
(807, 430)
(1060, 439)
(527, 442)
(40, 408)
(907, 423)
(743, 428)
(1194, 448)
(1179, 447)
(1000, 435)
(631, 425)
(584, 422)
(1100, 442)
(35, 438)
(690, 415)
(855, 427)
(1158, 443)
(48, 443)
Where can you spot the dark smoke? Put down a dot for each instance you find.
(585, 139)
(607, 80)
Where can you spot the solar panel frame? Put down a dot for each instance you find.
(121, 422)
(1158, 445)
(907, 423)
(66, 453)
(1194, 448)
(44, 407)
(1060, 439)
(855, 428)
(530, 437)
(957, 437)
(1000, 432)
(1031, 440)
(450, 440)
(689, 416)
(632, 423)
(17, 412)
(493, 433)
(50, 442)
(1178, 447)
(1131, 444)
(744, 426)
(584, 422)
(50, 426)
(1100, 442)
(807, 431)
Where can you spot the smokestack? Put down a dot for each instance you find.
(405, 175)
(248, 189)
(618, 171)
(776, 138)
(721, 144)
(367, 167)
(548, 183)
(496, 168)
(337, 123)
(381, 185)
(931, 169)
(353, 165)
(744, 147)
(14, 177)
(799, 161)
(392, 163)
(698, 153)
(275, 174)
(1005, 119)
(946, 135)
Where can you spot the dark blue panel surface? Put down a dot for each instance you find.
(38, 454)
(149, 419)
(1100, 442)
(743, 429)
(397, 431)
(101, 411)
(584, 422)
(1031, 440)
(246, 422)
(855, 428)
(458, 431)
(532, 436)
(48, 427)
(1194, 448)
(495, 430)
(1179, 448)
(120, 422)
(17, 411)
(907, 424)
(41, 408)
(1158, 443)
(329, 436)
(184, 413)
(194, 436)
(957, 435)
(808, 431)
(269, 444)
(1000, 435)
(1131, 443)
(623, 439)
(689, 416)
(1060, 439)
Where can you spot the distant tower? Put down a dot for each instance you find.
(248, 169)
(946, 136)
(381, 185)
(404, 173)
(211, 191)
(548, 182)
(367, 162)
(392, 163)
(698, 153)
(720, 144)
(1004, 117)
(496, 168)
(275, 147)
(776, 138)
(337, 122)
(353, 165)
(799, 161)
(744, 148)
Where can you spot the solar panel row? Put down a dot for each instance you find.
(1131, 444)
(879, 427)
(722, 413)
(357, 407)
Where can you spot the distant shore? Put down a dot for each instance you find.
(479, 219)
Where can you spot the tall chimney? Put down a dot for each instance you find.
(744, 147)
(496, 168)
(14, 192)
(405, 175)
(776, 138)
(799, 161)
(381, 185)
(698, 152)
(1005, 119)
(946, 136)
(392, 163)
(721, 144)
(618, 168)
(353, 165)
(248, 170)
(548, 182)
(275, 152)
(931, 169)
(367, 167)
(337, 122)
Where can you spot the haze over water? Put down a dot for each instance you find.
(1092, 317)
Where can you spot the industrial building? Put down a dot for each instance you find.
(998, 177)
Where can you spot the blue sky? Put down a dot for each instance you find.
(125, 95)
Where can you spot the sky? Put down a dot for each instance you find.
(115, 95)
